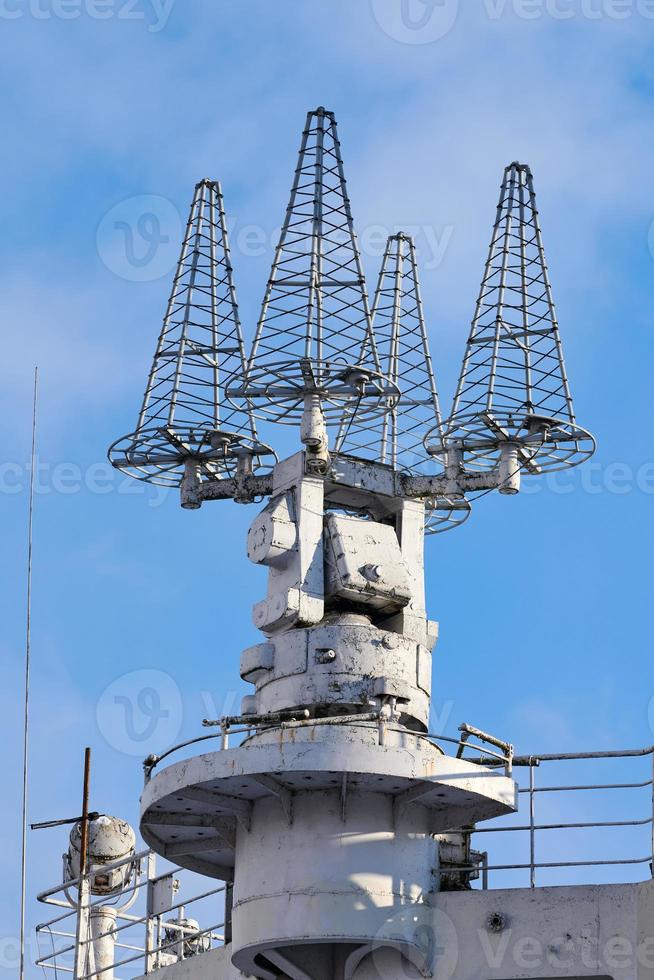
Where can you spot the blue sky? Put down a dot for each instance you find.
(544, 599)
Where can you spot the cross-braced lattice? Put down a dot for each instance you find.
(401, 337)
(513, 381)
(184, 414)
(397, 438)
(314, 333)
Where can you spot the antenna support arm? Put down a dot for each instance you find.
(452, 484)
(502, 478)
(242, 489)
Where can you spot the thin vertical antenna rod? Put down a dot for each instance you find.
(82, 927)
(84, 830)
(28, 631)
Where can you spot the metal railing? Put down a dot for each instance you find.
(571, 832)
(592, 825)
(501, 752)
(140, 928)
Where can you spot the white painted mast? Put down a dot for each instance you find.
(336, 820)
(326, 820)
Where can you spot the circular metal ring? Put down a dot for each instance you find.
(546, 445)
(159, 454)
(276, 391)
(444, 514)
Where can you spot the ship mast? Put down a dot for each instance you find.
(326, 817)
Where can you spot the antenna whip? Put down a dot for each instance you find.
(28, 625)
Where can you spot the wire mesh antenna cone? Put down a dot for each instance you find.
(397, 438)
(314, 334)
(184, 416)
(513, 383)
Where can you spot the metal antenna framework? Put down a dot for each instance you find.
(513, 383)
(397, 438)
(315, 360)
(337, 716)
(314, 336)
(184, 418)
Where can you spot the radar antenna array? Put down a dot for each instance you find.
(316, 360)
(397, 438)
(513, 386)
(185, 421)
(314, 337)
(341, 676)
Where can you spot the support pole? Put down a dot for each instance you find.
(84, 836)
(82, 930)
(532, 829)
(23, 867)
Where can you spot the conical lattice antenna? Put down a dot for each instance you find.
(184, 415)
(513, 383)
(403, 348)
(314, 334)
(397, 438)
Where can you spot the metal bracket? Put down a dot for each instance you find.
(241, 809)
(402, 800)
(285, 796)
